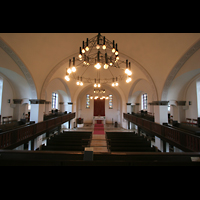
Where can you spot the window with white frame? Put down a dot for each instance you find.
(54, 101)
(1, 91)
(198, 96)
(144, 101)
(110, 101)
(87, 101)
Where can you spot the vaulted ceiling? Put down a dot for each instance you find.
(156, 53)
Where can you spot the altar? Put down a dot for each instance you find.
(102, 118)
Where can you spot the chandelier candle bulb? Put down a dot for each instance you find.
(67, 78)
(81, 83)
(69, 63)
(77, 83)
(113, 50)
(69, 71)
(83, 49)
(116, 52)
(104, 43)
(87, 48)
(73, 68)
(80, 54)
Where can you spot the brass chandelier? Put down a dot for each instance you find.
(98, 53)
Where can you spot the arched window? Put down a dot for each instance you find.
(110, 101)
(1, 91)
(87, 101)
(54, 100)
(198, 96)
(144, 101)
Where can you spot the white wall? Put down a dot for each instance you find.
(6, 109)
(198, 96)
(191, 95)
(57, 86)
(87, 113)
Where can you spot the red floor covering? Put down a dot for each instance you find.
(98, 129)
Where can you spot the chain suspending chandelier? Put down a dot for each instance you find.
(102, 55)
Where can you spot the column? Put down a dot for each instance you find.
(161, 111)
(17, 109)
(160, 116)
(47, 107)
(179, 112)
(137, 107)
(128, 105)
(70, 106)
(129, 110)
(70, 123)
(151, 108)
(37, 110)
(61, 106)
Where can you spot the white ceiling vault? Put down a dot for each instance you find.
(156, 58)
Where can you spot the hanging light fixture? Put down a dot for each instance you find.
(73, 67)
(99, 94)
(102, 54)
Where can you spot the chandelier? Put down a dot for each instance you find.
(99, 94)
(101, 55)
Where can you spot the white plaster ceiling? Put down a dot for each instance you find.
(157, 53)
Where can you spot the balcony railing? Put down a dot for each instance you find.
(183, 140)
(13, 138)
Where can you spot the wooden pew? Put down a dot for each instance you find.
(68, 141)
(128, 142)
(59, 158)
(132, 149)
(63, 148)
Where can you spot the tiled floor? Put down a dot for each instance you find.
(99, 143)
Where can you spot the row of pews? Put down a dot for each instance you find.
(126, 149)
(68, 141)
(128, 142)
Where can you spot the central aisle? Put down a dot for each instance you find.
(98, 142)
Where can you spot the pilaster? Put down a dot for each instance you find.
(160, 116)
(70, 104)
(17, 109)
(61, 106)
(160, 111)
(179, 112)
(151, 108)
(37, 110)
(47, 107)
(128, 106)
(136, 107)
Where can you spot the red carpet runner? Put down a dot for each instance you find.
(98, 129)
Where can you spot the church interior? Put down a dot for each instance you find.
(100, 99)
